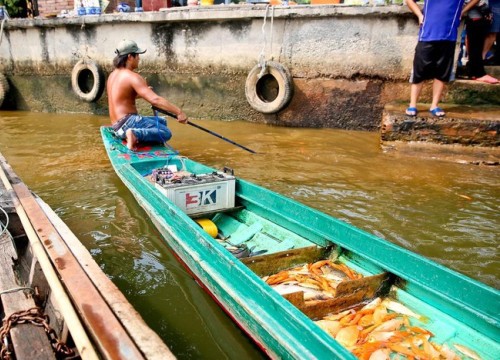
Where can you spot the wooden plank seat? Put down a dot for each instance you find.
(349, 293)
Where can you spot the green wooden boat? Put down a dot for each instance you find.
(259, 234)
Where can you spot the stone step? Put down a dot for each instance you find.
(471, 92)
(490, 70)
(493, 71)
(468, 133)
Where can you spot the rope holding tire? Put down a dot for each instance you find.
(269, 89)
(4, 88)
(87, 80)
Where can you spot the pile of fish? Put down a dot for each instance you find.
(318, 280)
(379, 330)
(382, 330)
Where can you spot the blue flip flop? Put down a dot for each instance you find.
(412, 111)
(437, 112)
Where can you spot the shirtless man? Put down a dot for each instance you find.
(124, 86)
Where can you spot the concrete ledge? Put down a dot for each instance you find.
(464, 125)
(493, 70)
(217, 12)
(467, 134)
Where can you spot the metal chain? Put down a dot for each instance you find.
(3, 226)
(36, 317)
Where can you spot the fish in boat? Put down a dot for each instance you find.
(294, 238)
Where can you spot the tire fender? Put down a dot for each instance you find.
(4, 88)
(87, 80)
(272, 91)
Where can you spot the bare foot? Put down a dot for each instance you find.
(488, 79)
(131, 140)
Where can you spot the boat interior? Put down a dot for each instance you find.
(336, 288)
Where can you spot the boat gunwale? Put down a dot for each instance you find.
(446, 301)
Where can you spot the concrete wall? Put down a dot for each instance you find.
(346, 62)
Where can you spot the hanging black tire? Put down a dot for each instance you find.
(87, 80)
(273, 91)
(4, 88)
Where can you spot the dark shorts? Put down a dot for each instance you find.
(433, 60)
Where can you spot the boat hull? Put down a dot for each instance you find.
(275, 323)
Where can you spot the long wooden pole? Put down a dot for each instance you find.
(82, 341)
(155, 109)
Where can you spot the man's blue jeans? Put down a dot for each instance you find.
(146, 128)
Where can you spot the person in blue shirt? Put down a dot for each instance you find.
(435, 52)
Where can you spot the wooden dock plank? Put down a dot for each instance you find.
(85, 347)
(111, 338)
(29, 341)
(148, 341)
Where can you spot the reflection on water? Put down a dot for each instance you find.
(445, 211)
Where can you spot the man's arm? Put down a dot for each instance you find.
(412, 5)
(144, 91)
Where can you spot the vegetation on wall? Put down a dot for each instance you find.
(15, 8)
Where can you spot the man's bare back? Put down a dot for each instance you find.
(121, 94)
(124, 86)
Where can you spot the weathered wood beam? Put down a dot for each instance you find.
(29, 341)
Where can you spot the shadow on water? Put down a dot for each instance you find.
(444, 211)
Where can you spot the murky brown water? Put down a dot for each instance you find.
(445, 211)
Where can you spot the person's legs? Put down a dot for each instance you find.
(488, 43)
(131, 139)
(145, 129)
(162, 120)
(151, 129)
(163, 130)
(476, 30)
(415, 90)
(164, 133)
(437, 92)
(420, 73)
